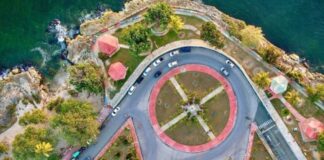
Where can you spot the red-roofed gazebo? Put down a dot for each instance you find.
(107, 44)
(311, 128)
(117, 71)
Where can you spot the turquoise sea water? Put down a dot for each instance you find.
(294, 25)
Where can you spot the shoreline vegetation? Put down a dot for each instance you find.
(62, 99)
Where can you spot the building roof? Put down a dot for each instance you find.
(279, 84)
(107, 44)
(311, 127)
(117, 71)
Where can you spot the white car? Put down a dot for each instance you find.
(172, 64)
(174, 53)
(114, 112)
(230, 63)
(224, 71)
(157, 62)
(147, 70)
(131, 90)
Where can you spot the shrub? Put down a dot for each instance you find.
(33, 117)
(262, 79)
(4, 147)
(159, 14)
(320, 142)
(252, 36)
(137, 37)
(210, 33)
(270, 53)
(315, 93)
(234, 26)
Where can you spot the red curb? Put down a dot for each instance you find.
(251, 139)
(229, 125)
(128, 124)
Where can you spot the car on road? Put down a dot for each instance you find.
(172, 64)
(185, 49)
(140, 79)
(230, 63)
(158, 61)
(157, 74)
(114, 112)
(224, 71)
(131, 90)
(174, 53)
(147, 70)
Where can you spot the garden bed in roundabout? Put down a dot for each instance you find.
(193, 122)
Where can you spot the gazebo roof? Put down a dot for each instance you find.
(107, 44)
(279, 84)
(311, 127)
(117, 71)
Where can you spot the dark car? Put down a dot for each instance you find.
(185, 49)
(139, 80)
(157, 74)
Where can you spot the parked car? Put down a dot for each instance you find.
(172, 64)
(157, 74)
(139, 80)
(230, 63)
(158, 61)
(114, 112)
(174, 53)
(131, 90)
(147, 70)
(224, 71)
(185, 49)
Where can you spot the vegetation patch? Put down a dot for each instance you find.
(168, 104)
(33, 117)
(197, 84)
(259, 152)
(122, 149)
(188, 132)
(216, 112)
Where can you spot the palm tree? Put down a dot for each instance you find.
(262, 79)
(293, 97)
(44, 148)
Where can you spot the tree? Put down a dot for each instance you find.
(296, 75)
(4, 147)
(44, 148)
(137, 37)
(176, 23)
(24, 144)
(270, 53)
(77, 122)
(320, 142)
(293, 97)
(234, 26)
(33, 117)
(262, 79)
(210, 33)
(86, 77)
(252, 36)
(315, 93)
(285, 112)
(159, 15)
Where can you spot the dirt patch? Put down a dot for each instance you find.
(259, 152)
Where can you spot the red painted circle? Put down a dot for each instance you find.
(196, 148)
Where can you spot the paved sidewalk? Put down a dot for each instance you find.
(124, 46)
(291, 109)
(253, 129)
(211, 95)
(179, 89)
(205, 127)
(174, 121)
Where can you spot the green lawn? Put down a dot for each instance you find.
(197, 84)
(188, 132)
(216, 112)
(191, 20)
(168, 104)
(122, 149)
(129, 60)
(259, 152)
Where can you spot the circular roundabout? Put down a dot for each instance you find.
(192, 108)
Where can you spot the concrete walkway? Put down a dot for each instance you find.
(211, 95)
(192, 28)
(205, 127)
(174, 121)
(179, 89)
(124, 46)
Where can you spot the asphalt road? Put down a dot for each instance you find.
(136, 106)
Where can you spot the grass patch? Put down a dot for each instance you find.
(122, 149)
(131, 61)
(168, 104)
(216, 112)
(197, 84)
(191, 20)
(259, 152)
(188, 132)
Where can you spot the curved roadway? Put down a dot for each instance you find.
(136, 106)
